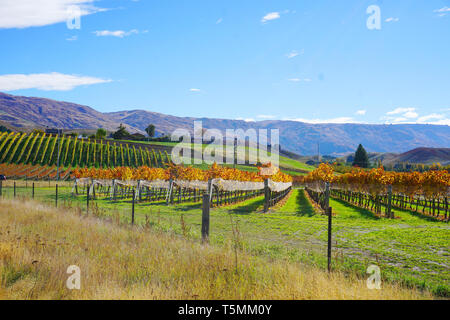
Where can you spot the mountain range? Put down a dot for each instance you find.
(24, 113)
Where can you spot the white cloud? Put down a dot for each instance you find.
(300, 80)
(400, 110)
(265, 116)
(294, 53)
(334, 120)
(32, 13)
(445, 122)
(195, 90)
(442, 11)
(391, 19)
(399, 120)
(435, 118)
(400, 115)
(116, 33)
(361, 112)
(270, 16)
(246, 119)
(410, 116)
(431, 116)
(46, 81)
(72, 38)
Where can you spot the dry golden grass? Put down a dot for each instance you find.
(38, 243)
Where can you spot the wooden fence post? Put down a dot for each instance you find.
(14, 189)
(330, 218)
(209, 191)
(266, 195)
(169, 192)
(327, 196)
(56, 196)
(87, 199)
(114, 190)
(205, 218)
(32, 191)
(132, 208)
(390, 213)
(139, 190)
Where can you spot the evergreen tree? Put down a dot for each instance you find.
(361, 158)
(121, 133)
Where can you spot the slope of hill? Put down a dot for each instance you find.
(416, 156)
(22, 112)
(335, 139)
(425, 156)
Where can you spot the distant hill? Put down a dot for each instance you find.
(425, 156)
(298, 137)
(415, 156)
(25, 112)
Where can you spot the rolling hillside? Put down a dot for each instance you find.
(302, 138)
(423, 155)
(23, 112)
(416, 156)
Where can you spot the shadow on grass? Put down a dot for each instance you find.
(417, 214)
(304, 207)
(248, 207)
(364, 213)
(186, 207)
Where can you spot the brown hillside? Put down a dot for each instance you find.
(425, 156)
(23, 112)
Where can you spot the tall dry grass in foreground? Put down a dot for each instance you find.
(38, 243)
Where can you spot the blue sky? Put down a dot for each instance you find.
(313, 61)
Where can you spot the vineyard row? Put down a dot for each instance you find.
(42, 149)
(375, 190)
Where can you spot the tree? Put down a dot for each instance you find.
(121, 133)
(150, 131)
(361, 158)
(101, 133)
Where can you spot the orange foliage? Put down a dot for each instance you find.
(432, 183)
(177, 172)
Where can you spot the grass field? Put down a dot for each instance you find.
(411, 250)
(289, 165)
(117, 261)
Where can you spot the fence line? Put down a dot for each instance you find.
(221, 192)
(434, 206)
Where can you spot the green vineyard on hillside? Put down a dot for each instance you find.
(43, 149)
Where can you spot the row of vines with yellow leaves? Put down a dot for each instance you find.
(177, 172)
(433, 183)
